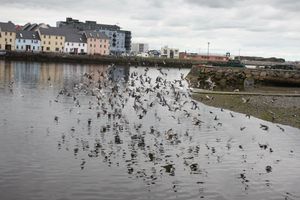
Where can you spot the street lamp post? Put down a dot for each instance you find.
(208, 48)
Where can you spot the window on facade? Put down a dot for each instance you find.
(90, 45)
(61, 43)
(66, 49)
(10, 40)
(44, 42)
(55, 43)
(49, 36)
(31, 41)
(0, 46)
(56, 37)
(49, 43)
(104, 46)
(83, 45)
(5, 33)
(94, 45)
(56, 49)
(61, 37)
(94, 40)
(10, 34)
(21, 47)
(33, 47)
(24, 41)
(48, 48)
(17, 47)
(104, 52)
(5, 39)
(79, 44)
(72, 44)
(44, 36)
(100, 46)
(19, 40)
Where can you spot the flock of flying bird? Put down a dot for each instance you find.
(138, 120)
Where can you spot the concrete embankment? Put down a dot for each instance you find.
(96, 59)
(239, 78)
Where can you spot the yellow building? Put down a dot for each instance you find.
(7, 36)
(52, 39)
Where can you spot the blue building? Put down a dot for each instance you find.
(28, 41)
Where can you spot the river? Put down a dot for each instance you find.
(81, 132)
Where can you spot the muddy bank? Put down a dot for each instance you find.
(96, 59)
(277, 109)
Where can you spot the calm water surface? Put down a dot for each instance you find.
(101, 132)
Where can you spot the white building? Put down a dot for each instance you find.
(28, 41)
(137, 48)
(75, 43)
(167, 52)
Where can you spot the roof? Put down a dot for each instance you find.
(7, 26)
(30, 35)
(75, 37)
(52, 31)
(95, 34)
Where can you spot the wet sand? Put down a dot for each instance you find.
(278, 109)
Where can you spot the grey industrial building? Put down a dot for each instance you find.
(120, 40)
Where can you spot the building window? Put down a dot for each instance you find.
(72, 44)
(61, 37)
(56, 37)
(56, 49)
(90, 45)
(22, 47)
(104, 46)
(48, 48)
(23, 41)
(10, 40)
(10, 34)
(94, 40)
(100, 46)
(49, 43)
(83, 44)
(55, 43)
(44, 36)
(5, 39)
(49, 36)
(79, 44)
(61, 43)
(19, 40)
(17, 47)
(33, 47)
(94, 45)
(66, 49)
(5, 33)
(104, 52)
(44, 42)
(31, 41)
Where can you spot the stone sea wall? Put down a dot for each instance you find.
(96, 59)
(239, 78)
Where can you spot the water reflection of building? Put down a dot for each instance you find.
(118, 73)
(6, 71)
(51, 72)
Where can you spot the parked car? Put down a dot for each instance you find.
(2, 52)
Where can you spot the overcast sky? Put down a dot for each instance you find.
(251, 27)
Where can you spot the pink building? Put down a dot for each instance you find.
(97, 43)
